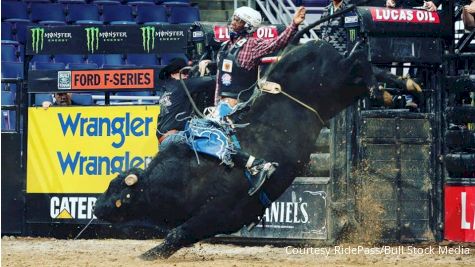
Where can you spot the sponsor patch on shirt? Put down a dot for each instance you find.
(226, 79)
(227, 65)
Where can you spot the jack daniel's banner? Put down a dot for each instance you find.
(110, 39)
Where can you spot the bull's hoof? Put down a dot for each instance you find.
(156, 253)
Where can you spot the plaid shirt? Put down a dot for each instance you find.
(254, 48)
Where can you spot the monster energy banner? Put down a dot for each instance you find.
(107, 39)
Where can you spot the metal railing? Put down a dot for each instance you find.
(282, 12)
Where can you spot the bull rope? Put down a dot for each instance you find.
(83, 229)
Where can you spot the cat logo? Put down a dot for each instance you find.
(72, 207)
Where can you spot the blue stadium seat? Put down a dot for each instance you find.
(72, 1)
(109, 59)
(140, 2)
(167, 57)
(83, 14)
(142, 59)
(116, 66)
(13, 70)
(117, 13)
(7, 33)
(102, 3)
(183, 14)
(151, 14)
(315, 3)
(69, 59)
(42, 58)
(81, 66)
(177, 3)
(14, 11)
(135, 93)
(21, 30)
(82, 99)
(40, 98)
(8, 120)
(47, 13)
(9, 87)
(9, 52)
(8, 98)
(48, 66)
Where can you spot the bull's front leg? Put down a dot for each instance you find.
(205, 224)
(173, 242)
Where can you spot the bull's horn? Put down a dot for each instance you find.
(131, 179)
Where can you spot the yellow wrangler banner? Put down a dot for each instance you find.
(80, 149)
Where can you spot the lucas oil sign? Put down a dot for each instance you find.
(459, 213)
(106, 79)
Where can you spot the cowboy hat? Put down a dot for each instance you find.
(175, 65)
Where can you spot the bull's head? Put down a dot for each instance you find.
(123, 199)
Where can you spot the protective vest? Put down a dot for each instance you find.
(233, 78)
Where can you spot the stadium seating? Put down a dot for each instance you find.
(48, 66)
(8, 98)
(47, 13)
(8, 120)
(9, 52)
(69, 59)
(12, 70)
(81, 66)
(167, 57)
(21, 30)
(83, 14)
(151, 15)
(82, 99)
(177, 3)
(41, 58)
(117, 14)
(14, 11)
(142, 59)
(183, 14)
(109, 59)
(315, 3)
(40, 98)
(7, 33)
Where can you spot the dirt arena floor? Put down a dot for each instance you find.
(112, 252)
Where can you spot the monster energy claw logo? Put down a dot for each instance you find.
(37, 39)
(148, 34)
(92, 39)
(352, 35)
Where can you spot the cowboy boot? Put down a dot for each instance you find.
(258, 169)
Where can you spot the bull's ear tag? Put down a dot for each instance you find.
(271, 87)
(118, 203)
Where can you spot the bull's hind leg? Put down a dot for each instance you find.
(206, 223)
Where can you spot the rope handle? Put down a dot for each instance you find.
(275, 88)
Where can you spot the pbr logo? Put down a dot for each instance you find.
(148, 37)
(64, 80)
(37, 39)
(92, 39)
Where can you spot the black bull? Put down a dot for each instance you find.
(198, 201)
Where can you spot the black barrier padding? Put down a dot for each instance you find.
(460, 139)
(405, 49)
(464, 114)
(460, 164)
(13, 184)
